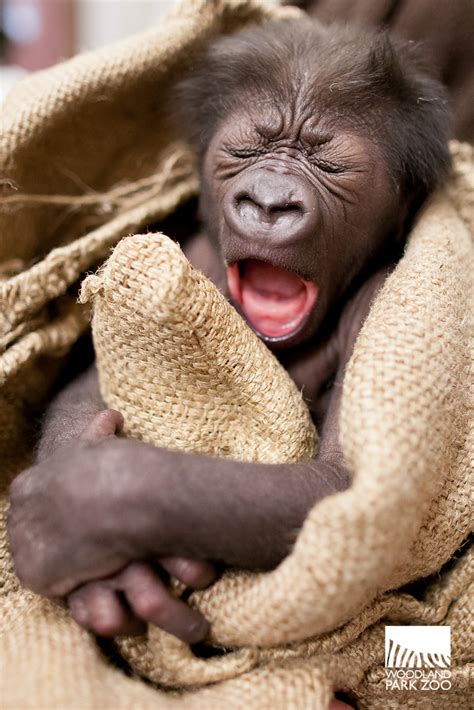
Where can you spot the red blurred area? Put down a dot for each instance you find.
(38, 33)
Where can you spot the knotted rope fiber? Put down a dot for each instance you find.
(315, 623)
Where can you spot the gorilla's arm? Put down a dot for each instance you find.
(100, 502)
(69, 413)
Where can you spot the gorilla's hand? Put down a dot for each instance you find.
(61, 536)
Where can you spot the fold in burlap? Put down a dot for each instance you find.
(181, 365)
(86, 159)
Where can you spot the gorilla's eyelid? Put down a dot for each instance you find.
(243, 152)
(327, 166)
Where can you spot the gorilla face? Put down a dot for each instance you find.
(316, 145)
(296, 210)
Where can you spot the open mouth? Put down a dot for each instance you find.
(276, 302)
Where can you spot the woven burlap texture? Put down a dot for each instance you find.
(212, 387)
(86, 158)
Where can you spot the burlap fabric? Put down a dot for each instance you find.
(177, 360)
(87, 159)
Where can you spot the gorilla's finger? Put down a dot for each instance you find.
(194, 573)
(339, 705)
(98, 608)
(152, 602)
(106, 423)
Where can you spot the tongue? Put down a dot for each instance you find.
(274, 300)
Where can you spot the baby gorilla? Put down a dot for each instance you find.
(317, 146)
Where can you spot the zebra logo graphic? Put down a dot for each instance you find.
(418, 647)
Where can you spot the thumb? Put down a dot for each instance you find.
(106, 423)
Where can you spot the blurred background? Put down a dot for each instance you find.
(35, 34)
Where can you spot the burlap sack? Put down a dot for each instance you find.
(81, 168)
(155, 314)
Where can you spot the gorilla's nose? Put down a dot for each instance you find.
(271, 205)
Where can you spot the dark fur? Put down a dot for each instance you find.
(385, 81)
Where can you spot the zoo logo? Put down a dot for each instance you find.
(427, 647)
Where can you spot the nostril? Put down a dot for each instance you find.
(245, 202)
(243, 195)
(292, 207)
(244, 198)
(247, 207)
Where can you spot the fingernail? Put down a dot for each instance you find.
(196, 631)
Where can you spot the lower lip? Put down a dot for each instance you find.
(268, 328)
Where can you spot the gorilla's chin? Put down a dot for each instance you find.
(277, 303)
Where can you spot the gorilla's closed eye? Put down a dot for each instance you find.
(244, 153)
(326, 166)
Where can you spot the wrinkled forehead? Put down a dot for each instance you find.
(308, 95)
(303, 110)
